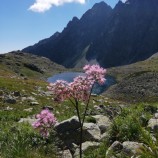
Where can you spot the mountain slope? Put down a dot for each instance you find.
(123, 35)
(67, 47)
(135, 82)
(26, 65)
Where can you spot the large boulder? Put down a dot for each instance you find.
(68, 125)
(69, 131)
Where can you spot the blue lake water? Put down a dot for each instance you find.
(69, 76)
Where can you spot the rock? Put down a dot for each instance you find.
(34, 103)
(16, 94)
(31, 98)
(104, 136)
(33, 93)
(69, 131)
(48, 93)
(91, 132)
(68, 125)
(156, 115)
(28, 110)
(27, 120)
(108, 110)
(48, 107)
(8, 108)
(66, 154)
(1, 93)
(132, 148)
(103, 122)
(153, 124)
(86, 146)
(115, 147)
(23, 99)
(10, 100)
(97, 108)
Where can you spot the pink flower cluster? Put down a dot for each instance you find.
(61, 89)
(95, 73)
(80, 88)
(45, 120)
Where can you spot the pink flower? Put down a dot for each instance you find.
(45, 120)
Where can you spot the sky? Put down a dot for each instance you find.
(25, 22)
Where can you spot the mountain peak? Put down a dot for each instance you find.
(99, 5)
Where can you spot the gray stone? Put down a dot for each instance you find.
(132, 148)
(16, 94)
(66, 154)
(156, 115)
(34, 103)
(27, 120)
(104, 136)
(10, 100)
(31, 98)
(48, 107)
(68, 125)
(115, 147)
(48, 93)
(1, 93)
(86, 146)
(33, 93)
(91, 132)
(28, 110)
(23, 99)
(153, 124)
(8, 108)
(103, 122)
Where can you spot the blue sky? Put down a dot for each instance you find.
(25, 22)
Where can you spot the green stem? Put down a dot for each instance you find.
(85, 112)
(81, 127)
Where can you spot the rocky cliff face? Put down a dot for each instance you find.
(131, 34)
(119, 36)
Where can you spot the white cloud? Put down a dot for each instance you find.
(44, 5)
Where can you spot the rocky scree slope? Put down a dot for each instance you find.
(135, 82)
